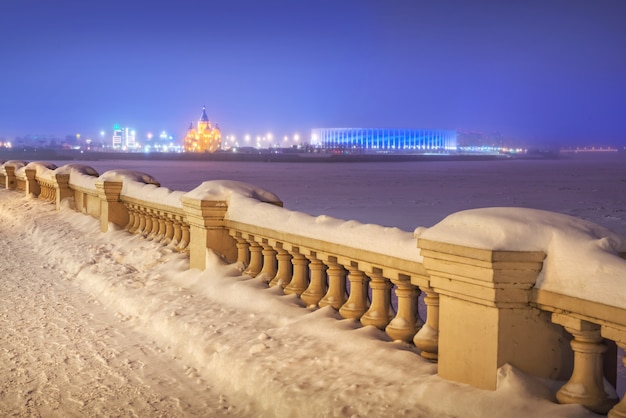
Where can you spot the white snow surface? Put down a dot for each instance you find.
(376, 238)
(114, 325)
(582, 258)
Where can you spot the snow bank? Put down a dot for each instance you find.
(582, 258)
(144, 187)
(224, 189)
(14, 163)
(42, 169)
(369, 237)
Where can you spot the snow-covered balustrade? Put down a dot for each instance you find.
(7, 173)
(537, 290)
(326, 262)
(516, 285)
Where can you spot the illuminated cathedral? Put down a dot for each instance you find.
(204, 138)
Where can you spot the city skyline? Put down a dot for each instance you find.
(538, 71)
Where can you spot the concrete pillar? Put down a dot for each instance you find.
(485, 317)
(62, 189)
(111, 207)
(31, 186)
(207, 230)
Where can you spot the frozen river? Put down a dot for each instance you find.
(412, 194)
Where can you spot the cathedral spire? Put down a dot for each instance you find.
(204, 117)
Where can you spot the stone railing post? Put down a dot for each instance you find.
(427, 338)
(357, 304)
(243, 249)
(485, 319)
(62, 189)
(619, 336)
(406, 322)
(270, 263)
(256, 257)
(586, 385)
(31, 186)
(10, 180)
(207, 230)
(111, 207)
(317, 284)
(336, 294)
(379, 313)
(284, 270)
(300, 279)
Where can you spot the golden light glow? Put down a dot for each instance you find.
(203, 138)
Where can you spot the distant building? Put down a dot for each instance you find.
(203, 138)
(387, 140)
(124, 137)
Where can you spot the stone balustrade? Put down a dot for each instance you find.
(495, 288)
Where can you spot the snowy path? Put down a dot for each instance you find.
(63, 354)
(114, 325)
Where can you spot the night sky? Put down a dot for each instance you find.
(539, 70)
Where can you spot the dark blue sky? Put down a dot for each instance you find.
(538, 70)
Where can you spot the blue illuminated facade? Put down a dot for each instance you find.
(386, 140)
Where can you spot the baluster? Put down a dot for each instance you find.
(160, 234)
(269, 262)
(619, 410)
(405, 324)
(317, 285)
(151, 224)
(142, 221)
(243, 252)
(169, 229)
(256, 258)
(283, 274)
(336, 294)
(300, 279)
(184, 239)
(131, 216)
(586, 386)
(156, 226)
(427, 338)
(137, 220)
(178, 231)
(380, 313)
(356, 305)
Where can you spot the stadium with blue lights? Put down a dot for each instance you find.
(385, 140)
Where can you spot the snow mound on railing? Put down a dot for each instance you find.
(582, 258)
(42, 169)
(129, 175)
(224, 189)
(379, 239)
(78, 169)
(13, 163)
(144, 187)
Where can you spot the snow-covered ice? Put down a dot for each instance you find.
(112, 324)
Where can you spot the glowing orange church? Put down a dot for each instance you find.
(204, 138)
